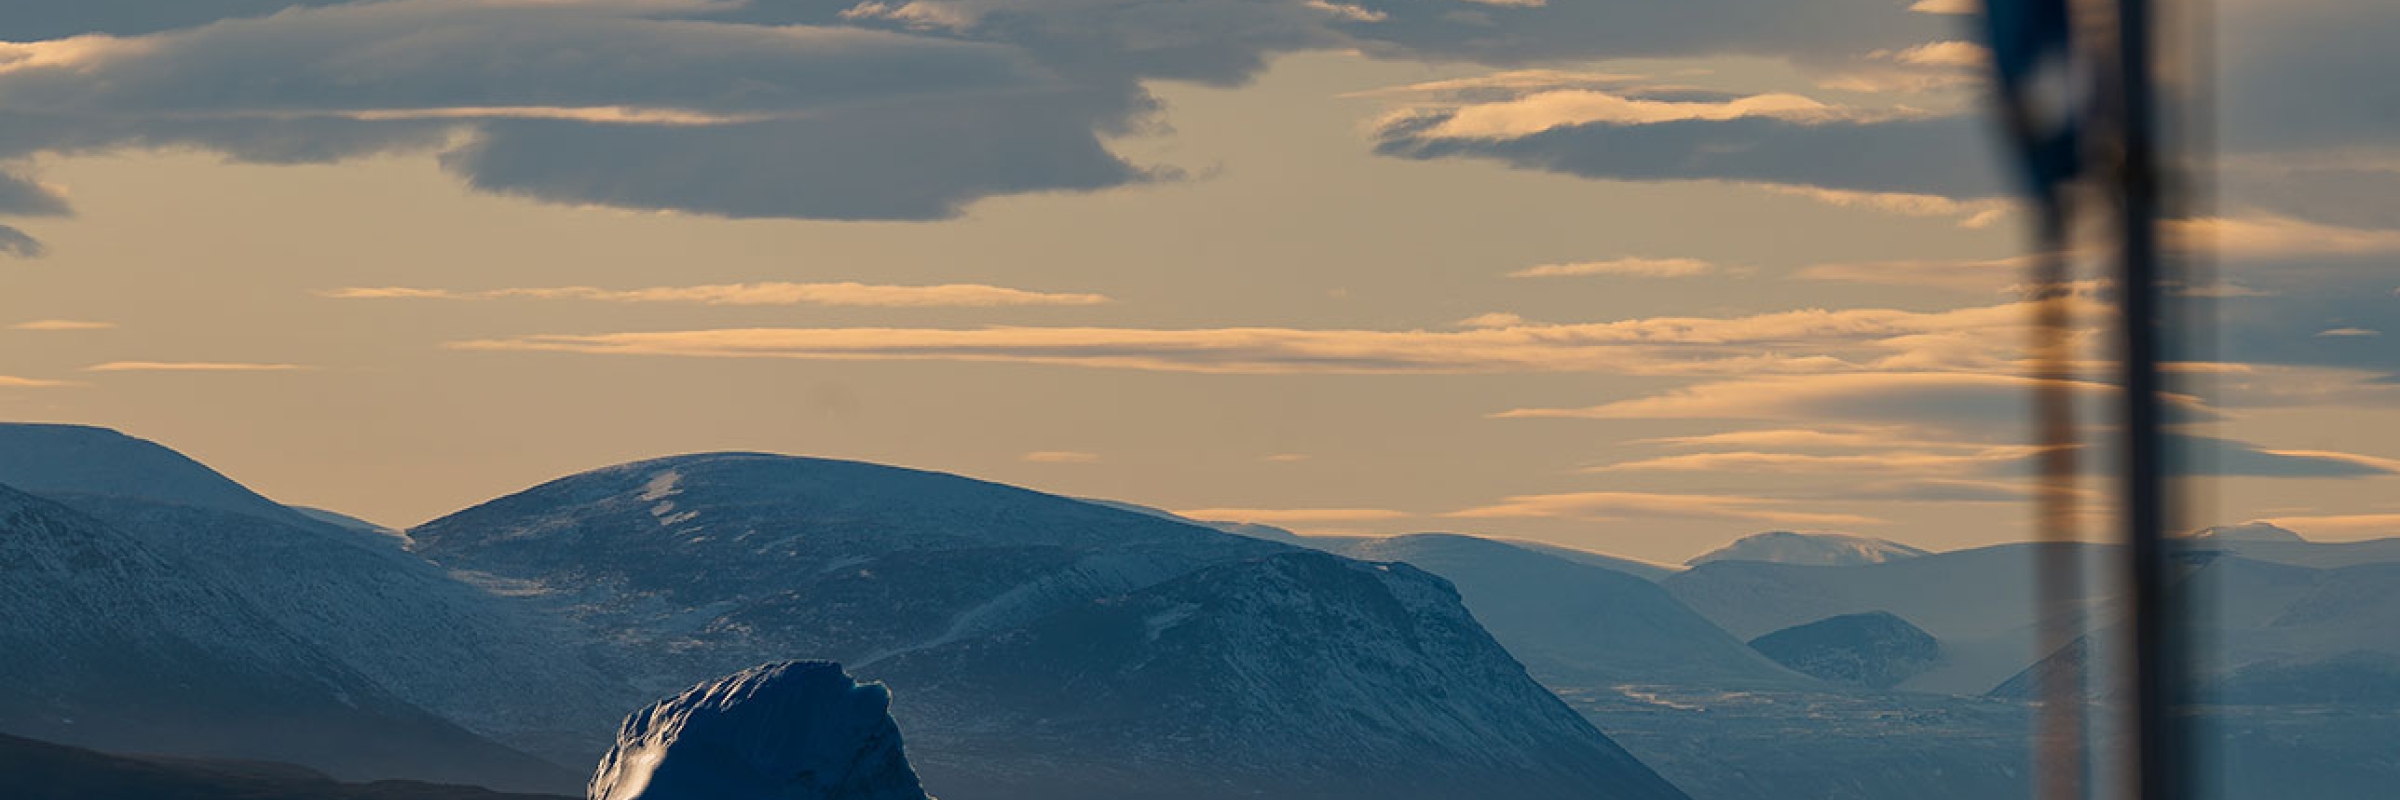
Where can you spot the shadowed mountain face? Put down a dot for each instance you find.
(787, 731)
(1039, 646)
(112, 643)
(37, 770)
(1876, 649)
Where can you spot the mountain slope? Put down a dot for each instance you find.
(39, 770)
(110, 644)
(1809, 549)
(60, 460)
(1297, 674)
(1034, 642)
(1577, 626)
(404, 625)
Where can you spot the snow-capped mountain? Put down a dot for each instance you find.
(111, 643)
(1809, 549)
(1042, 646)
(2246, 532)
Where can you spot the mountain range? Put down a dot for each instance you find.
(1043, 646)
(1036, 646)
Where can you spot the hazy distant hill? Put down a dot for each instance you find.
(1576, 625)
(1978, 603)
(1809, 549)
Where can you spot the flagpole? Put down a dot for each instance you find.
(2159, 746)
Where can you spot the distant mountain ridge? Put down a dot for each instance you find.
(1809, 549)
(55, 460)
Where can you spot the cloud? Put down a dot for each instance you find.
(752, 294)
(1948, 53)
(1495, 319)
(1285, 458)
(1899, 461)
(1807, 341)
(1804, 438)
(1354, 13)
(2347, 333)
(1060, 457)
(1609, 506)
(1632, 267)
(192, 366)
(1885, 398)
(1766, 139)
(2212, 456)
(2264, 236)
(61, 325)
(14, 242)
(1535, 113)
(1977, 213)
(1274, 516)
(618, 104)
(14, 382)
(1973, 274)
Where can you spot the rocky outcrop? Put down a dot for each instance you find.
(796, 730)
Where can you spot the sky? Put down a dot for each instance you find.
(1635, 277)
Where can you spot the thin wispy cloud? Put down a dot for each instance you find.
(964, 295)
(14, 382)
(1804, 438)
(1612, 506)
(193, 366)
(1939, 399)
(1895, 461)
(1808, 341)
(2348, 333)
(61, 325)
(1496, 319)
(1293, 516)
(1630, 267)
(1286, 458)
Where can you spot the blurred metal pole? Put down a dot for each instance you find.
(2158, 737)
(2059, 724)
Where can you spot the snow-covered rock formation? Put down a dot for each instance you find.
(794, 730)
